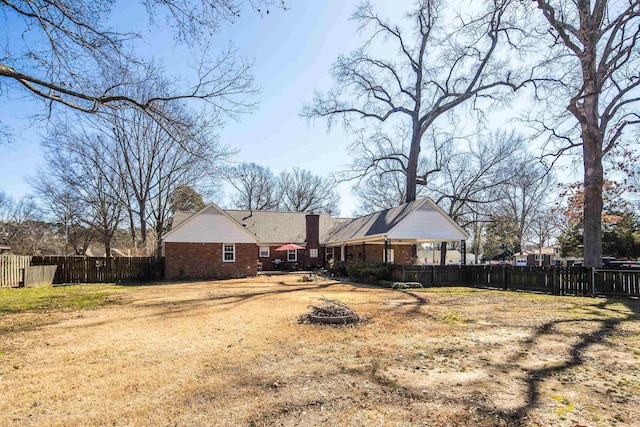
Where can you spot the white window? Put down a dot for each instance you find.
(313, 253)
(389, 255)
(229, 252)
(292, 255)
(264, 251)
(328, 253)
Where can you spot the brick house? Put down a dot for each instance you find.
(216, 243)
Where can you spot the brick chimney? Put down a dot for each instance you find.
(313, 231)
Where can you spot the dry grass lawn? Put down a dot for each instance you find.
(232, 353)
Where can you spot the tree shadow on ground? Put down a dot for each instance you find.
(608, 320)
(601, 321)
(224, 299)
(607, 328)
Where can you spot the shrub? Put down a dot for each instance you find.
(337, 268)
(368, 272)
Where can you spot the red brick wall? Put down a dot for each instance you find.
(304, 260)
(267, 263)
(402, 254)
(313, 241)
(204, 261)
(374, 253)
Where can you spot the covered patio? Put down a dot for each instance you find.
(392, 235)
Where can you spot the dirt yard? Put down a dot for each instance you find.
(232, 353)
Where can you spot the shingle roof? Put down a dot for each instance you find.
(373, 224)
(430, 223)
(179, 217)
(281, 227)
(273, 227)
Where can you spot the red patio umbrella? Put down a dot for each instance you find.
(289, 247)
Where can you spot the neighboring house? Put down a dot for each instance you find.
(545, 256)
(214, 243)
(5, 250)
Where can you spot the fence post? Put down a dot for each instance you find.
(593, 281)
(433, 275)
(556, 284)
(504, 277)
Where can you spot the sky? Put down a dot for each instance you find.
(293, 51)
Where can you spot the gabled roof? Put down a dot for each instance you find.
(281, 227)
(210, 224)
(416, 222)
(421, 220)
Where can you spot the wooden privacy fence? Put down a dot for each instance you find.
(554, 280)
(82, 269)
(103, 270)
(12, 270)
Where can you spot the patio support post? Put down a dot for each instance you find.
(386, 251)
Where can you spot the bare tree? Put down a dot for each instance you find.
(58, 201)
(302, 191)
(524, 198)
(21, 227)
(592, 70)
(103, 208)
(473, 181)
(380, 192)
(5, 200)
(434, 72)
(256, 187)
(474, 177)
(60, 51)
(74, 161)
(542, 229)
(380, 165)
(153, 158)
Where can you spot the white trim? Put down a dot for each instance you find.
(295, 255)
(326, 253)
(390, 255)
(260, 252)
(224, 252)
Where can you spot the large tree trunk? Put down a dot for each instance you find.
(107, 246)
(143, 226)
(412, 168)
(586, 109)
(593, 181)
(132, 225)
(443, 253)
(159, 233)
